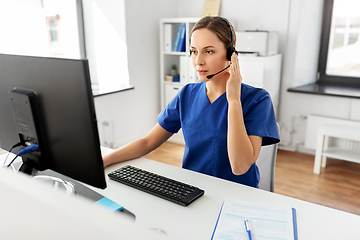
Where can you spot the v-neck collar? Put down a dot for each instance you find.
(206, 96)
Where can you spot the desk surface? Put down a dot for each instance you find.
(197, 221)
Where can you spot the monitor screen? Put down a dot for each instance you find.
(70, 144)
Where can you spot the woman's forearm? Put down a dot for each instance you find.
(242, 149)
(139, 147)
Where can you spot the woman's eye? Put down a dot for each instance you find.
(192, 52)
(208, 51)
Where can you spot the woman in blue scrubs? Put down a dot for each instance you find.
(224, 121)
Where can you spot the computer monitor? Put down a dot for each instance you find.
(63, 113)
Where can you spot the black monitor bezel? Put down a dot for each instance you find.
(74, 146)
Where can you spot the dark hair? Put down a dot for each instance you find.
(218, 26)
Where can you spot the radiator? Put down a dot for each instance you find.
(315, 121)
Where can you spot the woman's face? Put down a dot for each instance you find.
(208, 54)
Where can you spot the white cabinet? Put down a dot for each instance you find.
(170, 91)
(263, 72)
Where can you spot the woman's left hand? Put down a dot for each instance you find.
(233, 85)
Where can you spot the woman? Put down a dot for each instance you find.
(224, 122)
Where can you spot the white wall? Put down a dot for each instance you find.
(298, 23)
(133, 113)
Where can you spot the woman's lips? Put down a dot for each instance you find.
(202, 72)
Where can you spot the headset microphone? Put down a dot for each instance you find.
(212, 75)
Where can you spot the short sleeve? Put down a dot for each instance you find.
(169, 117)
(260, 118)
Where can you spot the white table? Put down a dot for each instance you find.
(196, 221)
(350, 131)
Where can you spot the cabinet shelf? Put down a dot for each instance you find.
(179, 84)
(176, 53)
(338, 153)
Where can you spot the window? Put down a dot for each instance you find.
(49, 28)
(64, 28)
(56, 28)
(53, 31)
(339, 61)
(106, 48)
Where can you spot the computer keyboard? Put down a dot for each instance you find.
(160, 186)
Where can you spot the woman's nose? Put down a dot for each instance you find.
(199, 60)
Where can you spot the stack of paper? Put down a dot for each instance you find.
(268, 222)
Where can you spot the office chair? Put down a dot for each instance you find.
(266, 164)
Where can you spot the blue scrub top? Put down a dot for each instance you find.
(204, 127)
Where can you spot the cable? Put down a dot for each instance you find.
(16, 145)
(32, 148)
(12, 161)
(29, 149)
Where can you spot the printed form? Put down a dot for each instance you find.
(268, 222)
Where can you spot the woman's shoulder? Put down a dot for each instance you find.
(248, 91)
(191, 88)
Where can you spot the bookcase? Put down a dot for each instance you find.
(169, 28)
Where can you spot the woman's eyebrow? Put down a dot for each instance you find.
(203, 47)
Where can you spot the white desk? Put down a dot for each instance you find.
(197, 221)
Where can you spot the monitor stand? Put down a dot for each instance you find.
(57, 183)
(68, 184)
(27, 167)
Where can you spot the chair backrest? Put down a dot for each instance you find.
(266, 164)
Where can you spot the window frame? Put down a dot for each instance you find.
(324, 78)
(81, 28)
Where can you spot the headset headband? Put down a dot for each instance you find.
(231, 48)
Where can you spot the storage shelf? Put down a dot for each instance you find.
(176, 53)
(174, 83)
(337, 153)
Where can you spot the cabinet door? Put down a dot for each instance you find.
(252, 71)
(170, 92)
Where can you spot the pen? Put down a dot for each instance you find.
(247, 228)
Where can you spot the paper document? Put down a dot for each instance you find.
(268, 222)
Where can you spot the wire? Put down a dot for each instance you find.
(12, 161)
(28, 149)
(16, 145)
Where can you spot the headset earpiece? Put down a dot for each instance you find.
(231, 48)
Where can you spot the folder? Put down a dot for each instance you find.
(177, 39)
(184, 69)
(167, 37)
(193, 78)
(181, 46)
